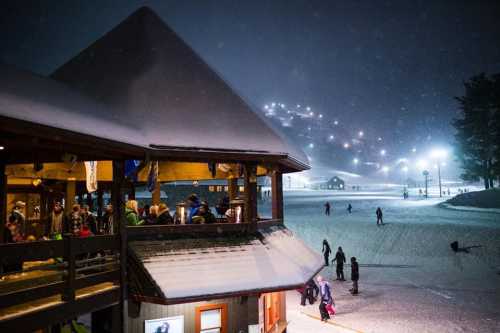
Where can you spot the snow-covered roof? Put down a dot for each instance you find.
(28, 97)
(158, 85)
(187, 269)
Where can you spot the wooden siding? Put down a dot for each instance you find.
(240, 310)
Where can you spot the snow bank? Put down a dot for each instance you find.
(480, 199)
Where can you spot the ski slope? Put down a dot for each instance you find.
(410, 280)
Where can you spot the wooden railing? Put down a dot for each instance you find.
(78, 263)
(159, 232)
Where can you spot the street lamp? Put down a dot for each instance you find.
(439, 155)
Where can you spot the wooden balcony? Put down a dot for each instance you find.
(60, 279)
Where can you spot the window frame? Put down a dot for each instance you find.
(223, 316)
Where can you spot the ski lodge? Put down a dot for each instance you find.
(140, 93)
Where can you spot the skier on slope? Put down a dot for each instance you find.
(349, 208)
(379, 214)
(340, 259)
(326, 251)
(327, 208)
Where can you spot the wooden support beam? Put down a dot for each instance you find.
(156, 195)
(89, 200)
(232, 184)
(118, 200)
(100, 204)
(3, 198)
(277, 195)
(70, 196)
(250, 174)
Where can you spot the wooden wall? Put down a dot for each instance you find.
(241, 310)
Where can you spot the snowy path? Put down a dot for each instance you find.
(411, 281)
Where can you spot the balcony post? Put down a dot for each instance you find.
(118, 200)
(250, 174)
(232, 188)
(3, 196)
(277, 195)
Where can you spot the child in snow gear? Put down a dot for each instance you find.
(310, 292)
(378, 212)
(327, 208)
(340, 259)
(326, 251)
(354, 276)
(325, 298)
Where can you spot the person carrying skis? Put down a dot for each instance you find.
(379, 214)
(354, 276)
(326, 251)
(340, 259)
(327, 208)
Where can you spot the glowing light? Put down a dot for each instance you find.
(336, 122)
(379, 139)
(320, 116)
(438, 153)
(2, 147)
(383, 152)
(311, 114)
(266, 106)
(298, 105)
(346, 145)
(360, 134)
(414, 150)
(355, 161)
(273, 104)
(283, 106)
(422, 164)
(311, 145)
(308, 108)
(331, 137)
(385, 169)
(404, 169)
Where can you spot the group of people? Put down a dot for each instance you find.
(328, 208)
(198, 212)
(79, 222)
(340, 260)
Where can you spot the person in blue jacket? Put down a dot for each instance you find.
(194, 206)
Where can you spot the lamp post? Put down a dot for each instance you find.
(426, 175)
(439, 155)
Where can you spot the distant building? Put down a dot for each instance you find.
(335, 183)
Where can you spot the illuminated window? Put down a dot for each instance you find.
(219, 188)
(271, 311)
(226, 188)
(241, 189)
(211, 318)
(211, 188)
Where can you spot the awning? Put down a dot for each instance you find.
(187, 270)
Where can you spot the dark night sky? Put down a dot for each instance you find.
(390, 68)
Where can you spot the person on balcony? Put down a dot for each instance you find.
(89, 219)
(17, 216)
(132, 213)
(56, 220)
(204, 215)
(74, 221)
(164, 216)
(194, 206)
(107, 221)
(152, 217)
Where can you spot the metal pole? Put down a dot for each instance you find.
(439, 176)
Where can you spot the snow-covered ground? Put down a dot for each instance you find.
(410, 281)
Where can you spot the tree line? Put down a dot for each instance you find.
(478, 129)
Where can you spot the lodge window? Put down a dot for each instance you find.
(219, 188)
(211, 318)
(242, 189)
(211, 188)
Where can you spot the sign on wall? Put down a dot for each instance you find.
(165, 325)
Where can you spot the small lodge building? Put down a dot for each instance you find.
(140, 93)
(334, 183)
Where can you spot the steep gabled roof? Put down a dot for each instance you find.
(156, 83)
